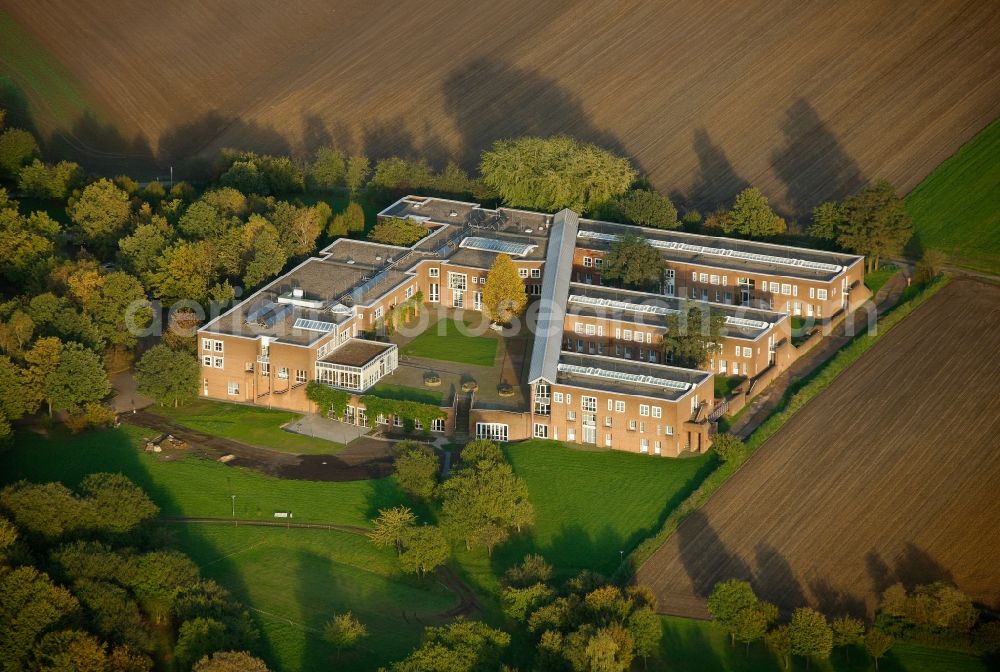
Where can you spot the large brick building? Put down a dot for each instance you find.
(597, 371)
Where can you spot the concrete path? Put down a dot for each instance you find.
(125, 395)
(765, 403)
(318, 427)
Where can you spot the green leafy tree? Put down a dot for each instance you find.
(484, 502)
(532, 570)
(726, 601)
(198, 638)
(555, 173)
(397, 174)
(78, 379)
(460, 646)
(70, 651)
(424, 550)
(504, 294)
(875, 224)
(827, 219)
(298, 228)
(393, 231)
(328, 169)
(344, 631)
(692, 337)
(30, 604)
(140, 252)
(230, 661)
(646, 629)
(101, 212)
(185, 271)
(201, 220)
(15, 397)
(847, 632)
(17, 148)
(42, 180)
(118, 307)
(117, 504)
(647, 208)
(751, 624)
(779, 640)
(751, 216)
(391, 526)
(167, 376)
(416, 469)
(633, 262)
(479, 450)
(262, 255)
(358, 168)
(729, 448)
(351, 220)
(878, 643)
(811, 634)
(27, 244)
(113, 614)
(518, 602)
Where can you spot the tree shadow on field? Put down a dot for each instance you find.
(18, 110)
(572, 550)
(317, 133)
(490, 99)
(812, 164)
(705, 557)
(717, 183)
(835, 603)
(774, 579)
(313, 570)
(102, 147)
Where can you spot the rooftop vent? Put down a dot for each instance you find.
(453, 213)
(297, 293)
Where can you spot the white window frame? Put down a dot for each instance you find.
(619, 406)
(588, 404)
(644, 410)
(434, 272)
(523, 272)
(233, 389)
(657, 411)
(536, 272)
(557, 397)
(495, 431)
(541, 431)
(821, 294)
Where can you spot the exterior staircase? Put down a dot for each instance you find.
(463, 407)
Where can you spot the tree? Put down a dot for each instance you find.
(30, 604)
(15, 399)
(646, 629)
(118, 307)
(751, 624)
(27, 244)
(726, 601)
(416, 469)
(692, 337)
(482, 503)
(554, 173)
(201, 220)
(344, 631)
(729, 448)
(425, 549)
(167, 376)
(878, 643)
(504, 294)
(79, 378)
(751, 216)
(358, 168)
(17, 147)
(328, 169)
(351, 220)
(230, 661)
(141, 251)
(391, 526)
(847, 631)
(533, 569)
(70, 651)
(779, 640)
(185, 271)
(633, 262)
(811, 634)
(117, 504)
(42, 359)
(197, 639)
(261, 253)
(875, 224)
(102, 213)
(930, 266)
(298, 228)
(41, 180)
(460, 646)
(393, 231)
(647, 208)
(826, 220)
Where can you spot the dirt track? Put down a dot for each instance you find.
(889, 475)
(805, 100)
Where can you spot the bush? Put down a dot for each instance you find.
(729, 448)
(647, 208)
(397, 232)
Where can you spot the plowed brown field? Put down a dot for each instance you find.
(891, 474)
(805, 100)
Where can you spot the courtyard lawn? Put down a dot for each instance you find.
(877, 279)
(724, 385)
(248, 424)
(700, 645)
(404, 393)
(956, 209)
(191, 486)
(296, 580)
(443, 341)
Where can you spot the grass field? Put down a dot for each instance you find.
(248, 424)
(443, 340)
(403, 393)
(699, 645)
(296, 580)
(877, 279)
(778, 521)
(957, 208)
(724, 385)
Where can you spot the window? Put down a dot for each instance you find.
(812, 292)
(631, 425)
(437, 425)
(206, 360)
(786, 289)
(821, 294)
(569, 398)
(714, 279)
(747, 352)
(694, 276)
(206, 344)
(397, 421)
(557, 397)
(409, 291)
(607, 421)
(588, 403)
(703, 277)
(670, 430)
(379, 312)
(536, 272)
(644, 410)
(300, 375)
(611, 404)
(217, 362)
(725, 279)
(283, 373)
(234, 388)
(628, 335)
(795, 290)
(435, 293)
(494, 431)
(619, 406)
(457, 280)
(775, 288)
(642, 427)
(218, 346)
(643, 445)
(578, 327)
(600, 330)
(598, 262)
(541, 431)
(433, 272)
(591, 330)
(571, 416)
(417, 424)
(657, 412)
(523, 272)
(380, 419)
(475, 280)
(265, 369)
(588, 262)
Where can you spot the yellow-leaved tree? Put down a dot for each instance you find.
(504, 296)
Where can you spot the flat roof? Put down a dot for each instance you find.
(624, 376)
(357, 352)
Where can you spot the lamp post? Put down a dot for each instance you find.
(234, 505)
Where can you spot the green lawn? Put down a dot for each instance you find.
(443, 341)
(724, 385)
(877, 279)
(192, 486)
(699, 645)
(247, 424)
(404, 393)
(296, 580)
(956, 209)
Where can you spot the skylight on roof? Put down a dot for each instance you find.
(622, 305)
(621, 376)
(314, 325)
(745, 323)
(491, 245)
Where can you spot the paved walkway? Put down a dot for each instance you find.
(765, 403)
(318, 427)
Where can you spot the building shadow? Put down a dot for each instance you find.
(812, 164)
(491, 99)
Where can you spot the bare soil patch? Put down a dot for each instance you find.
(889, 475)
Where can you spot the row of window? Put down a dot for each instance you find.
(541, 431)
(590, 403)
(211, 345)
(535, 272)
(211, 362)
(437, 425)
(595, 262)
(784, 288)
